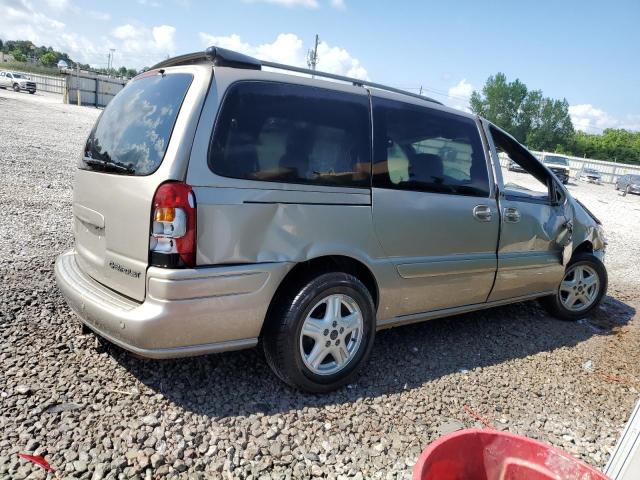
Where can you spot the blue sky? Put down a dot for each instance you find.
(586, 51)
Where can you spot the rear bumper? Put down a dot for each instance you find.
(186, 312)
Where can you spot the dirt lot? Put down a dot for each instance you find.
(97, 412)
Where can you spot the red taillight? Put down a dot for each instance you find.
(173, 226)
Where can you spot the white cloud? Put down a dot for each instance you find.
(590, 119)
(19, 20)
(339, 4)
(124, 32)
(58, 4)
(289, 49)
(288, 3)
(65, 6)
(163, 36)
(459, 95)
(338, 60)
(95, 14)
(139, 45)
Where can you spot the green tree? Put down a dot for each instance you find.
(49, 59)
(537, 121)
(550, 127)
(501, 103)
(18, 56)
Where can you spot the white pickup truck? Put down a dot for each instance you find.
(17, 81)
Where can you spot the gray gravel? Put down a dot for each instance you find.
(95, 411)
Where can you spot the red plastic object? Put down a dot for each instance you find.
(491, 455)
(38, 460)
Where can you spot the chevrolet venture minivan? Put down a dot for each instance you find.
(217, 205)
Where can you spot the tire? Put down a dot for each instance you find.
(16, 88)
(292, 354)
(587, 263)
(31, 92)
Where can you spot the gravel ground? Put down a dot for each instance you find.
(95, 411)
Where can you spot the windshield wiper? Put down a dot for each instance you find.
(109, 166)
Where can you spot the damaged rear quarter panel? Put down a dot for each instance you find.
(256, 226)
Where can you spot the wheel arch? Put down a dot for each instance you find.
(585, 246)
(304, 271)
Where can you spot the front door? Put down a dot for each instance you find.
(535, 234)
(433, 209)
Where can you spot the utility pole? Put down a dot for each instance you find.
(420, 90)
(112, 50)
(78, 84)
(312, 56)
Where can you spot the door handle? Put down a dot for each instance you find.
(482, 213)
(511, 215)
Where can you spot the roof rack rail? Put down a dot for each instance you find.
(221, 57)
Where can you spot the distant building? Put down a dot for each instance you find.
(6, 57)
(62, 64)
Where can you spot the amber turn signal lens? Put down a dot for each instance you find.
(165, 214)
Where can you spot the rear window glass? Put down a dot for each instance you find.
(419, 148)
(131, 135)
(279, 132)
(556, 160)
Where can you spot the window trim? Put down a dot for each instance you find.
(549, 178)
(365, 185)
(481, 141)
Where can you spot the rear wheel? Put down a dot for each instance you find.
(319, 335)
(16, 87)
(582, 288)
(32, 92)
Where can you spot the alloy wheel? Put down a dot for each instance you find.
(331, 334)
(579, 288)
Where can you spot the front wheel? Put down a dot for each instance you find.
(319, 335)
(32, 92)
(582, 288)
(16, 87)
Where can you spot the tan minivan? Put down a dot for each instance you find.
(217, 204)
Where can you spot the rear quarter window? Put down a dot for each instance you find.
(132, 133)
(279, 132)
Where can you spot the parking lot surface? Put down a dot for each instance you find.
(95, 411)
